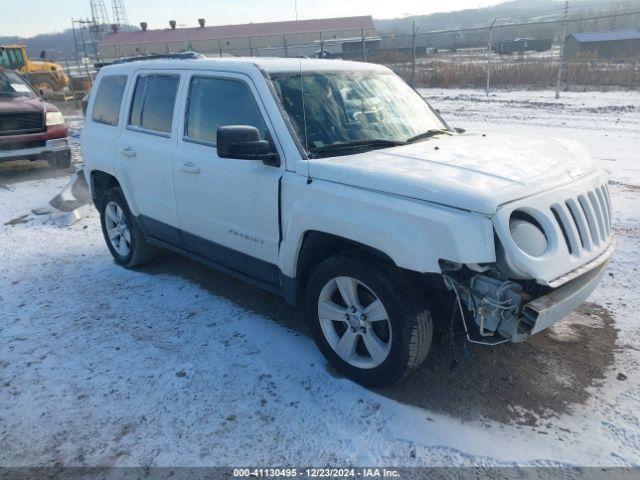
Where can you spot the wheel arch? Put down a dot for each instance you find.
(317, 246)
(99, 183)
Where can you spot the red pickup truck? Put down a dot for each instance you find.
(30, 128)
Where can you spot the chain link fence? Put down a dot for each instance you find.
(467, 58)
(469, 70)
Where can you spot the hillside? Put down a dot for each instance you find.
(515, 11)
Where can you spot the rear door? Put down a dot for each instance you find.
(228, 208)
(144, 152)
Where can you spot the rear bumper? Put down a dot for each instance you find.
(49, 149)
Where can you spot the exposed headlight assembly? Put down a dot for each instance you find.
(528, 234)
(54, 118)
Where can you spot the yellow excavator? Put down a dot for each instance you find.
(45, 76)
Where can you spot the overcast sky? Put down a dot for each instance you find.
(30, 17)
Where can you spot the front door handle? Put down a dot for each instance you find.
(128, 152)
(189, 168)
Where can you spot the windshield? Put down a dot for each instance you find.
(13, 85)
(360, 109)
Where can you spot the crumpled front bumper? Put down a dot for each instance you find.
(544, 311)
(499, 309)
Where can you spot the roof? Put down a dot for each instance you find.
(278, 64)
(246, 64)
(612, 36)
(231, 31)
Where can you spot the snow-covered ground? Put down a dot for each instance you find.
(174, 364)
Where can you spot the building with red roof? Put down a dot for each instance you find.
(289, 38)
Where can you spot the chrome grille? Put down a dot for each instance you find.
(21, 123)
(585, 220)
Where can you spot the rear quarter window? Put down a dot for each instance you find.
(106, 107)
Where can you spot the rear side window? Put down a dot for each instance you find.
(153, 102)
(106, 106)
(215, 102)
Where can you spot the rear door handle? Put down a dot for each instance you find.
(128, 152)
(189, 168)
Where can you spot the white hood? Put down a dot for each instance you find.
(469, 171)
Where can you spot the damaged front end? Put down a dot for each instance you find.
(551, 251)
(496, 309)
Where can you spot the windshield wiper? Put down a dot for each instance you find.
(428, 134)
(374, 142)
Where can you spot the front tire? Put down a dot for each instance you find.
(121, 232)
(369, 322)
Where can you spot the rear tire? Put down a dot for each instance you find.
(121, 233)
(384, 336)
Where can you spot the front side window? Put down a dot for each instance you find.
(153, 102)
(352, 108)
(216, 102)
(106, 107)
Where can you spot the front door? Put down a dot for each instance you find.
(227, 208)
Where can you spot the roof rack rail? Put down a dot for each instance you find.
(174, 56)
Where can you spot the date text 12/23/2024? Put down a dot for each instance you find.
(316, 473)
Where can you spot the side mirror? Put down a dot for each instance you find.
(459, 130)
(243, 142)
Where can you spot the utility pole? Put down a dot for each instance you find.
(364, 48)
(489, 51)
(184, 36)
(564, 36)
(414, 31)
(75, 38)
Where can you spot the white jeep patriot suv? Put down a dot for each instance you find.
(335, 185)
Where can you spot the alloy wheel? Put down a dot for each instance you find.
(117, 229)
(354, 322)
